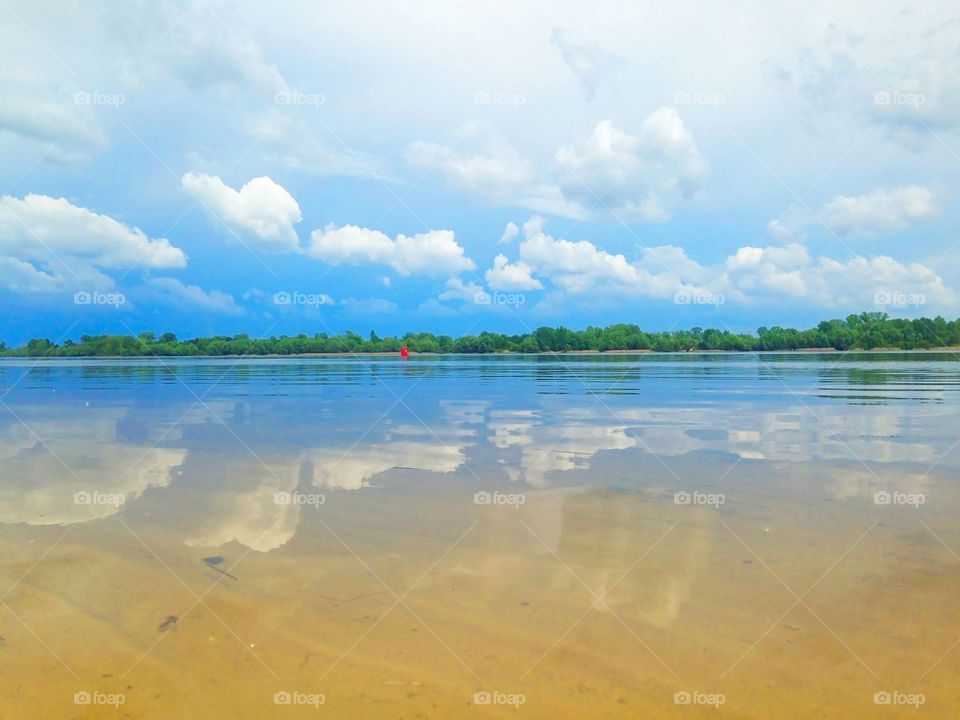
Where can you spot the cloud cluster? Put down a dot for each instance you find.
(511, 276)
(878, 212)
(261, 208)
(837, 80)
(433, 253)
(265, 211)
(632, 176)
(750, 275)
(638, 177)
(48, 244)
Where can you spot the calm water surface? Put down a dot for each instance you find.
(642, 536)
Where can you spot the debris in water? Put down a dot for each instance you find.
(169, 623)
(212, 563)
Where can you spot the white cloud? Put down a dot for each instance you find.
(575, 266)
(637, 177)
(190, 297)
(633, 177)
(772, 270)
(50, 244)
(261, 208)
(750, 275)
(772, 274)
(458, 290)
(22, 277)
(880, 211)
(509, 233)
(506, 276)
(435, 252)
(350, 245)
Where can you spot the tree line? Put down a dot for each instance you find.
(866, 331)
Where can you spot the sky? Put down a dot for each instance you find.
(275, 168)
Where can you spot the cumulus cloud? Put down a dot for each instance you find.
(755, 274)
(509, 233)
(575, 266)
(747, 276)
(636, 177)
(435, 252)
(459, 290)
(506, 276)
(777, 270)
(49, 244)
(261, 209)
(880, 211)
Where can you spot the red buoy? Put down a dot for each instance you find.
(403, 351)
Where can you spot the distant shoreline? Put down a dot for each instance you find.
(810, 351)
(868, 331)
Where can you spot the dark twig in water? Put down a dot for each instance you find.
(169, 623)
(212, 563)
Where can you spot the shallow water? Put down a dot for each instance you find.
(580, 536)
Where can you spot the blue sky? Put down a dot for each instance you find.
(210, 168)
